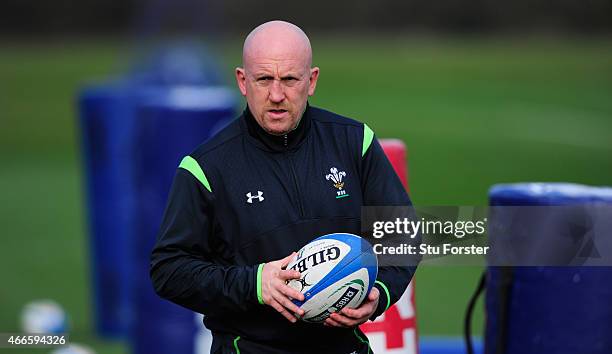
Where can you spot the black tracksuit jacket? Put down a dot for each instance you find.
(244, 198)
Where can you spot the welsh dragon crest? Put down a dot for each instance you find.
(336, 176)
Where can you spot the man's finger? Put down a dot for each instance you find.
(374, 294)
(355, 313)
(287, 304)
(289, 274)
(286, 260)
(275, 305)
(290, 292)
(331, 322)
(343, 320)
(283, 311)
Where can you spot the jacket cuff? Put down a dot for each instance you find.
(258, 283)
(384, 299)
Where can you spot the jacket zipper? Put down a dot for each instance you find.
(297, 189)
(295, 182)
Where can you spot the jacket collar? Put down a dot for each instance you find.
(276, 143)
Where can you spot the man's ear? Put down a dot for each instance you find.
(314, 76)
(241, 80)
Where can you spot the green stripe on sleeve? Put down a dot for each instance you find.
(382, 285)
(364, 341)
(259, 297)
(236, 345)
(190, 164)
(368, 136)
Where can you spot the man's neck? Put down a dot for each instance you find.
(278, 142)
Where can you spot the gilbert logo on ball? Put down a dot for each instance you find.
(338, 270)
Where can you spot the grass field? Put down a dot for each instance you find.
(472, 113)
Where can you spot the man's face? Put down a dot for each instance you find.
(276, 86)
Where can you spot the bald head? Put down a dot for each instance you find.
(277, 77)
(278, 39)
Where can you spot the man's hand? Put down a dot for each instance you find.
(354, 317)
(275, 291)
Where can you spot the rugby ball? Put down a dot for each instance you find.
(44, 316)
(337, 270)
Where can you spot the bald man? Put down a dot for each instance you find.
(276, 77)
(244, 201)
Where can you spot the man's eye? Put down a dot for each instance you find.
(264, 78)
(289, 78)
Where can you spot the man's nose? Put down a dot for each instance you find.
(277, 93)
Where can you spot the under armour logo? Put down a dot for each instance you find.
(250, 197)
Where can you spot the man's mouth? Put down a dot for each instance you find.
(277, 113)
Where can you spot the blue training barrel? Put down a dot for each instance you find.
(541, 308)
(107, 125)
(134, 133)
(171, 123)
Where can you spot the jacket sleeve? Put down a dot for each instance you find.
(182, 268)
(382, 187)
